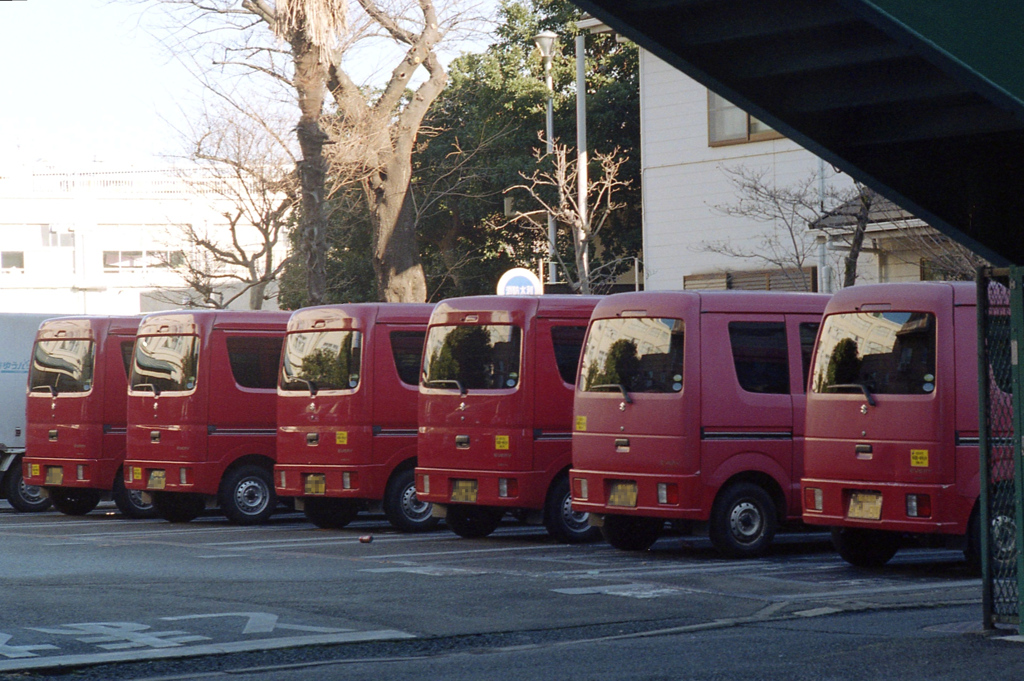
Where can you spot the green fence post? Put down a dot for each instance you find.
(984, 451)
(1016, 338)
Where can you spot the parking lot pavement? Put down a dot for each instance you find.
(101, 588)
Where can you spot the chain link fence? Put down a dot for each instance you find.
(998, 521)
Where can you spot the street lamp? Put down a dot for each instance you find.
(545, 41)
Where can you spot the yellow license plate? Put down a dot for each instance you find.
(865, 505)
(622, 494)
(157, 480)
(54, 475)
(316, 484)
(464, 491)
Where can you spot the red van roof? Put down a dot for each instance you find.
(672, 303)
(189, 321)
(902, 296)
(88, 326)
(353, 315)
(453, 309)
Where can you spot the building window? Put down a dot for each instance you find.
(135, 261)
(729, 124)
(12, 261)
(55, 238)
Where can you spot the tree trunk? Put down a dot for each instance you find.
(396, 261)
(857, 240)
(256, 295)
(310, 84)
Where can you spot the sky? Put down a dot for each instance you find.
(83, 81)
(86, 81)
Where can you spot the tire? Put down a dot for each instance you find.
(865, 548)
(24, 498)
(628, 533)
(177, 507)
(129, 501)
(473, 522)
(403, 509)
(247, 495)
(1003, 544)
(74, 500)
(743, 521)
(563, 523)
(330, 514)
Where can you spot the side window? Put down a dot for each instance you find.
(254, 360)
(808, 332)
(760, 355)
(407, 349)
(568, 342)
(127, 356)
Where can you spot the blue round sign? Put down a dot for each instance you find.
(520, 281)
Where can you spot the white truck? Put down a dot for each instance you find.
(17, 334)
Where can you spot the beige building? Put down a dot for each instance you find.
(693, 142)
(101, 240)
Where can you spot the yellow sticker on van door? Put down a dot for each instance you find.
(341, 437)
(501, 441)
(581, 423)
(919, 458)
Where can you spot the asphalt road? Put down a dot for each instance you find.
(104, 597)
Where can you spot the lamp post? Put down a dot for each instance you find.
(545, 41)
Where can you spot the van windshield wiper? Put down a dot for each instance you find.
(447, 381)
(149, 386)
(860, 386)
(48, 388)
(619, 386)
(309, 384)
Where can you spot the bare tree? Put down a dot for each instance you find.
(364, 135)
(787, 243)
(243, 165)
(553, 188)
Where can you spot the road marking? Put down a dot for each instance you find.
(636, 590)
(430, 570)
(259, 623)
(817, 612)
(84, 643)
(58, 662)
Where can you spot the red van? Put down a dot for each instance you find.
(690, 407)
(76, 413)
(202, 406)
(346, 412)
(892, 419)
(495, 411)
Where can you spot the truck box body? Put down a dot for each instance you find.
(17, 334)
(77, 411)
(892, 415)
(495, 409)
(202, 405)
(346, 411)
(689, 406)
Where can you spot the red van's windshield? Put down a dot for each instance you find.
(635, 354)
(165, 363)
(62, 366)
(472, 357)
(885, 353)
(321, 360)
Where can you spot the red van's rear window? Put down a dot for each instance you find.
(62, 366)
(636, 354)
(885, 353)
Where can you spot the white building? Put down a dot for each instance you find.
(690, 137)
(100, 241)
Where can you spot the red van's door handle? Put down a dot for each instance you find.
(863, 451)
(312, 439)
(462, 441)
